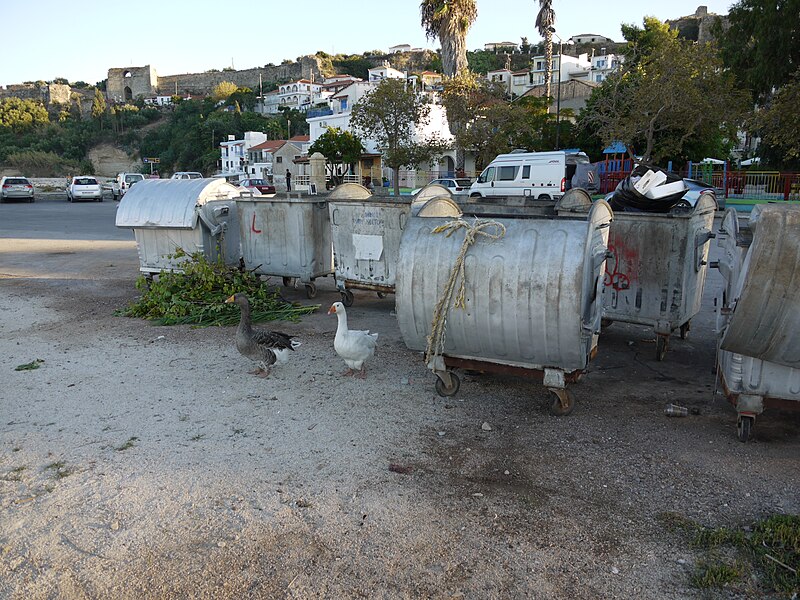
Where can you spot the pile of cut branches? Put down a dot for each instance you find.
(196, 296)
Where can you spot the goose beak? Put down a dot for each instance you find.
(229, 300)
(332, 310)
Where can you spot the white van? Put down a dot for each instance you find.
(123, 182)
(542, 175)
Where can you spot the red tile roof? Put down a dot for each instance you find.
(269, 145)
(300, 138)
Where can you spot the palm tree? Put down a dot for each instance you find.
(545, 21)
(449, 20)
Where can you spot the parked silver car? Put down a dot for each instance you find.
(84, 188)
(16, 188)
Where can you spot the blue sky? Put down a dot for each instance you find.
(82, 39)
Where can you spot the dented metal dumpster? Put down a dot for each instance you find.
(193, 215)
(287, 237)
(531, 286)
(758, 312)
(657, 269)
(366, 232)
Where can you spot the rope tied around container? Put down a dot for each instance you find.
(479, 227)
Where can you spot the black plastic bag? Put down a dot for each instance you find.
(626, 198)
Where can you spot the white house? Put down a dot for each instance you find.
(269, 103)
(501, 46)
(399, 48)
(269, 160)
(300, 94)
(603, 65)
(590, 38)
(563, 68)
(385, 72)
(233, 153)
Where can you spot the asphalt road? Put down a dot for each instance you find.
(53, 238)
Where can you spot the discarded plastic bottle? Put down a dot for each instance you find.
(673, 410)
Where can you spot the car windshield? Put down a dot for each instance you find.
(16, 181)
(256, 182)
(130, 178)
(85, 181)
(463, 182)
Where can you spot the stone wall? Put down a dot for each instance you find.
(47, 94)
(132, 82)
(697, 27)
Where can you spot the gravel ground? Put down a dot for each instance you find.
(144, 462)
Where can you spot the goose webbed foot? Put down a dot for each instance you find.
(348, 372)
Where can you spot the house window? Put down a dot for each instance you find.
(278, 159)
(598, 77)
(344, 103)
(539, 65)
(530, 78)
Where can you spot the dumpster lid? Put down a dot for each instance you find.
(349, 191)
(765, 323)
(170, 203)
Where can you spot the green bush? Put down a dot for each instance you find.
(35, 163)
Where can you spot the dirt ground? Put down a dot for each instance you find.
(144, 462)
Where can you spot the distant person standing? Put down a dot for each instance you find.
(288, 180)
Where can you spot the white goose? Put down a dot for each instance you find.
(355, 347)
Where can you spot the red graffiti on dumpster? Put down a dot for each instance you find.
(615, 279)
(253, 226)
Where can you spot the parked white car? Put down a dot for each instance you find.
(187, 175)
(84, 187)
(458, 186)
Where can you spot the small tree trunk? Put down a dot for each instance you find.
(396, 175)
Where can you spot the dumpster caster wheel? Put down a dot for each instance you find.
(685, 330)
(446, 392)
(563, 403)
(347, 298)
(287, 282)
(311, 290)
(381, 295)
(744, 427)
(661, 347)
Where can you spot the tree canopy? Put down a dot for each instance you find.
(489, 124)
(779, 125)
(223, 90)
(390, 114)
(338, 147)
(672, 96)
(762, 43)
(19, 115)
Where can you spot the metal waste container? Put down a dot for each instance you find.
(194, 215)
(758, 312)
(530, 297)
(366, 233)
(287, 237)
(657, 269)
